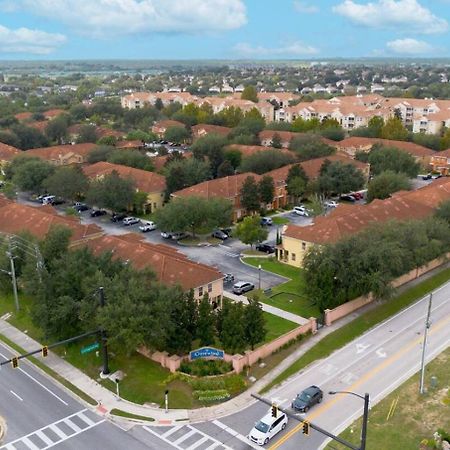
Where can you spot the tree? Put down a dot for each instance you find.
(29, 173)
(445, 140)
(310, 146)
(130, 158)
(139, 135)
(265, 161)
(211, 148)
(390, 158)
(182, 173)
(250, 194)
(231, 116)
(386, 183)
(88, 133)
(394, 129)
(191, 213)
(266, 189)
(443, 211)
(225, 169)
(28, 137)
(67, 182)
(176, 134)
(100, 153)
(110, 141)
(296, 182)
(250, 93)
(301, 125)
(255, 324)
(376, 124)
(333, 133)
(111, 192)
(234, 156)
(231, 326)
(206, 324)
(276, 141)
(56, 130)
(339, 178)
(250, 231)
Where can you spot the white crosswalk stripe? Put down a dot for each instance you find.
(45, 441)
(227, 251)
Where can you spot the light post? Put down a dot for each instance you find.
(259, 276)
(365, 414)
(166, 400)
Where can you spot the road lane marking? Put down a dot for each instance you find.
(29, 444)
(364, 378)
(315, 367)
(43, 437)
(185, 436)
(235, 434)
(72, 425)
(198, 443)
(381, 353)
(85, 418)
(15, 395)
(361, 348)
(172, 430)
(58, 432)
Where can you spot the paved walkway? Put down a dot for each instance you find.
(270, 309)
(107, 400)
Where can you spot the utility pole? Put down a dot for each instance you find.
(13, 273)
(103, 337)
(364, 423)
(427, 326)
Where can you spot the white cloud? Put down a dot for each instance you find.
(305, 8)
(409, 46)
(296, 48)
(103, 18)
(399, 14)
(24, 40)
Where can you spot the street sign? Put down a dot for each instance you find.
(90, 348)
(206, 352)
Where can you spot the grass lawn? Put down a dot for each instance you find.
(356, 328)
(277, 326)
(415, 417)
(287, 296)
(280, 220)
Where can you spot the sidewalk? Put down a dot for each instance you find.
(107, 400)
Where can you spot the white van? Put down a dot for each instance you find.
(268, 427)
(301, 211)
(48, 199)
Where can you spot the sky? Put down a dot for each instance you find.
(223, 29)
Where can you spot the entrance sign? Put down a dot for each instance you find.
(206, 352)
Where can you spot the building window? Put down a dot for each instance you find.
(200, 291)
(303, 245)
(210, 287)
(293, 256)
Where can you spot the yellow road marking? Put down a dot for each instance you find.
(364, 378)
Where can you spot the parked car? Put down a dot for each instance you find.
(266, 428)
(426, 177)
(227, 230)
(228, 278)
(357, 195)
(331, 204)
(219, 234)
(307, 399)
(58, 201)
(118, 217)
(80, 206)
(147, 226)
(348, 198)
(266, 248)
(242, 287)
(48, 199)
(166, 235)
(130, 221)
(177, 236)
(98, 212)
(266, 221)
(301, 211)
(435, 176)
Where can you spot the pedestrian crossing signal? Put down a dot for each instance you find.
(44, 351)
(305, 428)
(274, 411)
(15, 362)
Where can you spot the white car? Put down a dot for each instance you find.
(147, 226)
(301, 211)
(331, 204)
(265, 429)
(130, 220)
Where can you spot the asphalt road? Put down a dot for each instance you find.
(377, 363)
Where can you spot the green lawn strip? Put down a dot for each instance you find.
(50, 372)
(287, 296)
(352, 330)
(280, 220)
(277, 326)
(413, 416)
(119, 412)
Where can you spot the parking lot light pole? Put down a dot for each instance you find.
(259, 276)
(365, 414)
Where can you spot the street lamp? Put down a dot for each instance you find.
(365, 414)
(259, 276)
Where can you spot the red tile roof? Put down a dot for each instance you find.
(7, 152)
(56, 152)
(204, 128)
(164, 124)
(402, 206)
(226, 187)
(144, 180)
(130, 144)
(170, 267)
(15, 217)
(249, 150)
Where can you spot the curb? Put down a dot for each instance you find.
(2, 428)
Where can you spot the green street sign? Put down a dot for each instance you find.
(90, 348)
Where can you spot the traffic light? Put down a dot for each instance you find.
(305, 428)
(15, 362)
(274, 411)
(44, 351)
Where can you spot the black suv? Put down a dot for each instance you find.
(118, 217)
(307, 399)
(98, 212)
(266, 248)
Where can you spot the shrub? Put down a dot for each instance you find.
(212, 396)
(202, 367)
